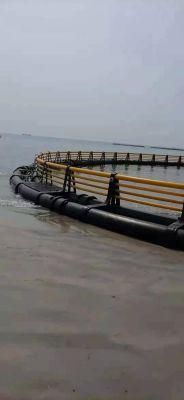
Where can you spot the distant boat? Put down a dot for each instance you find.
(127, 144)
(167, 148)
(26, 134)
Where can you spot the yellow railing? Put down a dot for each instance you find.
(141, 191)
(116, 157)
(115, 189)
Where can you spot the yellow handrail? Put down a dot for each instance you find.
(148, 196)
(150, 181)
(97, 182)
(90, 172)
(148, 203)
(150, 189)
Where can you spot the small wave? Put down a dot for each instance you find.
(17, 203)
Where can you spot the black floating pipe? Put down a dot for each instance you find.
(90, 210)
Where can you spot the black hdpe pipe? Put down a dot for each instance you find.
(100, 215)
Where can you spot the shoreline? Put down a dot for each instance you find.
(94, 322)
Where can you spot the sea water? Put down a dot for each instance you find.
(84, 313)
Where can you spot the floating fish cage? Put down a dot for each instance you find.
(68, 183)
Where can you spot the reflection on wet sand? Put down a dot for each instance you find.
(88, 314)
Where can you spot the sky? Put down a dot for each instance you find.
(109, 70)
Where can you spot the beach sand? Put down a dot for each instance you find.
(87, 314)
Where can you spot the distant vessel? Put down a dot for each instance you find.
(26, 134)
(167, 148)
(127, 144)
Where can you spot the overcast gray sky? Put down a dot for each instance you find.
(96, 69)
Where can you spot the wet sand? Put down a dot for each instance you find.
(87, 314)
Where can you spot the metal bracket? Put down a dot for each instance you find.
(112, 191)
(175, 226)
(67, 179)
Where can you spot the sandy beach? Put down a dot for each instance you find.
(87, 314)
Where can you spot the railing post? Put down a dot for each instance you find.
(179, 162)
(43, 172)
(72, 178)
(153, 160)
(91, 156)
(127, 157)
(46, 173)
(50, 176)
(103, 158)
(117, 192)
(140, 158)
(115, 158)
(69, 181)
(182, 214)
(166, 160)
(67, 173)
(113, 191)
(58, 157)
(68, 156)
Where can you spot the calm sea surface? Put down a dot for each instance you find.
(16, 150)
(85, 314)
